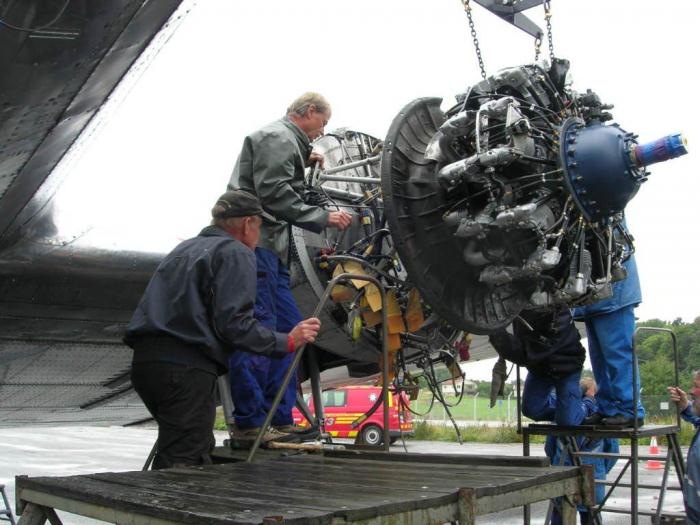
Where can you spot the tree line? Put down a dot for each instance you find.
(655, 354)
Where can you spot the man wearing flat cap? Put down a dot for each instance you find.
(196, 311)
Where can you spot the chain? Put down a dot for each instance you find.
(468, 10)
(538, 44)
(548, 18)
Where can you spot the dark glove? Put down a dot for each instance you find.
(508, 347)
(498, 380)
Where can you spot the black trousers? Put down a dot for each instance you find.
(182, 400)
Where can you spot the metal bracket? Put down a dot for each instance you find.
(510, 11)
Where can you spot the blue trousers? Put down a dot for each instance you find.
(610, 342)
(255, 379)
(564, 407)
(601, 466)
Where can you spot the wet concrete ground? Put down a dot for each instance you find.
(64, 451)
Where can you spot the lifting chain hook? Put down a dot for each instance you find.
(468, 10)
(548, 19)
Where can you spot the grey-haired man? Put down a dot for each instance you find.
(271, 165)
(196, 311)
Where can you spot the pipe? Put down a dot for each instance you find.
(351, 165)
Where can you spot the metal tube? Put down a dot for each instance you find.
(348, 178)
(635, 385)
(304, 409)
(518, 401)
(656, 520)
(675, 358)
(151, 455)
(224, 386)
(634, 480)
(352, 165)
(363, 153)
(316, 394)
(343, 194)
(300, 353)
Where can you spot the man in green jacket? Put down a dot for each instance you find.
(271, 166)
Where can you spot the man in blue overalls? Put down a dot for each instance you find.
(271, 166)
(610, 328)
(555, 449)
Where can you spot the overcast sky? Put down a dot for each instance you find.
(167, 149)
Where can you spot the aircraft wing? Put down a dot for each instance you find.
(60, 306)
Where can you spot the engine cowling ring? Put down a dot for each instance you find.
(414, 205)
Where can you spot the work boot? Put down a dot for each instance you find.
(305, 433)
(272, 434)
(620, 421)
(593, 419)
(292, 429)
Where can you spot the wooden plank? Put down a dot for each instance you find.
(336, 471)
(389, 466)
(450, 459)
(90, 510)
(518, 498)
(32, 515)
(397, 480)
(568, 511)
(355, 501)
(150, 501)
(484, 478)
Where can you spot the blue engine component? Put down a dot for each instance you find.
(665, 148)
(604, 166)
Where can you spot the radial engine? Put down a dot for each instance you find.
(513, 199)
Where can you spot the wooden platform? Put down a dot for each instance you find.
(335, 488)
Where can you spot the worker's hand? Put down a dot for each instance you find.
(305, 332)
(316, 157)
(339, 219)
(678, 396)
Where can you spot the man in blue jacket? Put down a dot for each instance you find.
(271, 166)
(691, 413)
(196, 311)
(610, 329)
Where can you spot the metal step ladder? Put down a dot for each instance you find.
(6, 514)
(568, 435)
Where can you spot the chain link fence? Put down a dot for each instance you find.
(473, 409)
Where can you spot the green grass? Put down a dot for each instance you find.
(480, 434)
(467, 408)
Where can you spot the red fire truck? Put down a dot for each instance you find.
(342, 406)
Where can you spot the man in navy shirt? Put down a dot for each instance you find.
(549, 346)
(196, 311)
(691, 413)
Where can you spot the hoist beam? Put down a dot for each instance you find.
(511, 12)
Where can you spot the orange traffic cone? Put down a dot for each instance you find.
(653, 464)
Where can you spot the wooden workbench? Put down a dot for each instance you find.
(335, 488)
